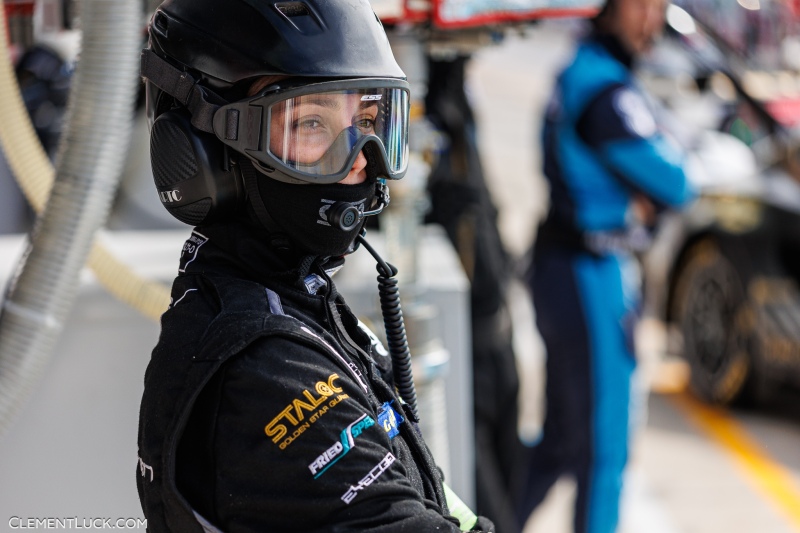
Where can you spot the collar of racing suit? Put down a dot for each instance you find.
(249, 252)
(246, 252)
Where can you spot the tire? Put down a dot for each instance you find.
(713, 315)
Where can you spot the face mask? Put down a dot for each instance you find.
(303, 211)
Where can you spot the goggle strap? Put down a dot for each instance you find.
(239, 126)
(183, 87)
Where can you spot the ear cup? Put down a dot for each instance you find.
(195, 182)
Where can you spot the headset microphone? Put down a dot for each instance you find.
(346, 216)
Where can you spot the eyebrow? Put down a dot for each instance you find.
(323, 101)
(327, 102)
(334, 103)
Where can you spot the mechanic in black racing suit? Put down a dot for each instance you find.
(267, 406)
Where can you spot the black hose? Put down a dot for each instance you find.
(395, 329)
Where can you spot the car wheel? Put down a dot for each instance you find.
(712, 314)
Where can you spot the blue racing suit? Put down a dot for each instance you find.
(602, 149)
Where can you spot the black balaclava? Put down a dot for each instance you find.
(302, 211)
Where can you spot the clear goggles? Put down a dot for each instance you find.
(315, 133)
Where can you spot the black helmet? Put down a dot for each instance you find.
(228, 41)
(209, 133)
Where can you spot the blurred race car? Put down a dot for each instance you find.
(725, 274)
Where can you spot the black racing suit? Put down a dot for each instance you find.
(266, 407)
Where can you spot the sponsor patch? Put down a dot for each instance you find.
(314, 282)
(367, 480)
(634, 111)
(304, 411)
(390, 420)
(190, 249)
(346, 443)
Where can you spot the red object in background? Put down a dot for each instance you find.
(443, 17)
(19, 25)
(794, 6)
(785, 110)
(439, 13)
(501, 17)
(22, 8)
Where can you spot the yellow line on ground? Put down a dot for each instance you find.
(768, 476)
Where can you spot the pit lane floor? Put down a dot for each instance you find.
(693, 469)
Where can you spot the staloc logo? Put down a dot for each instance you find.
(304, 411)
(168, 197)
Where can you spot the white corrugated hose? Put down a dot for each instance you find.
(89, 163)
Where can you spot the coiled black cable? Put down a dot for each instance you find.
(395, 328)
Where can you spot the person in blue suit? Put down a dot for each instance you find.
(611, 170)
